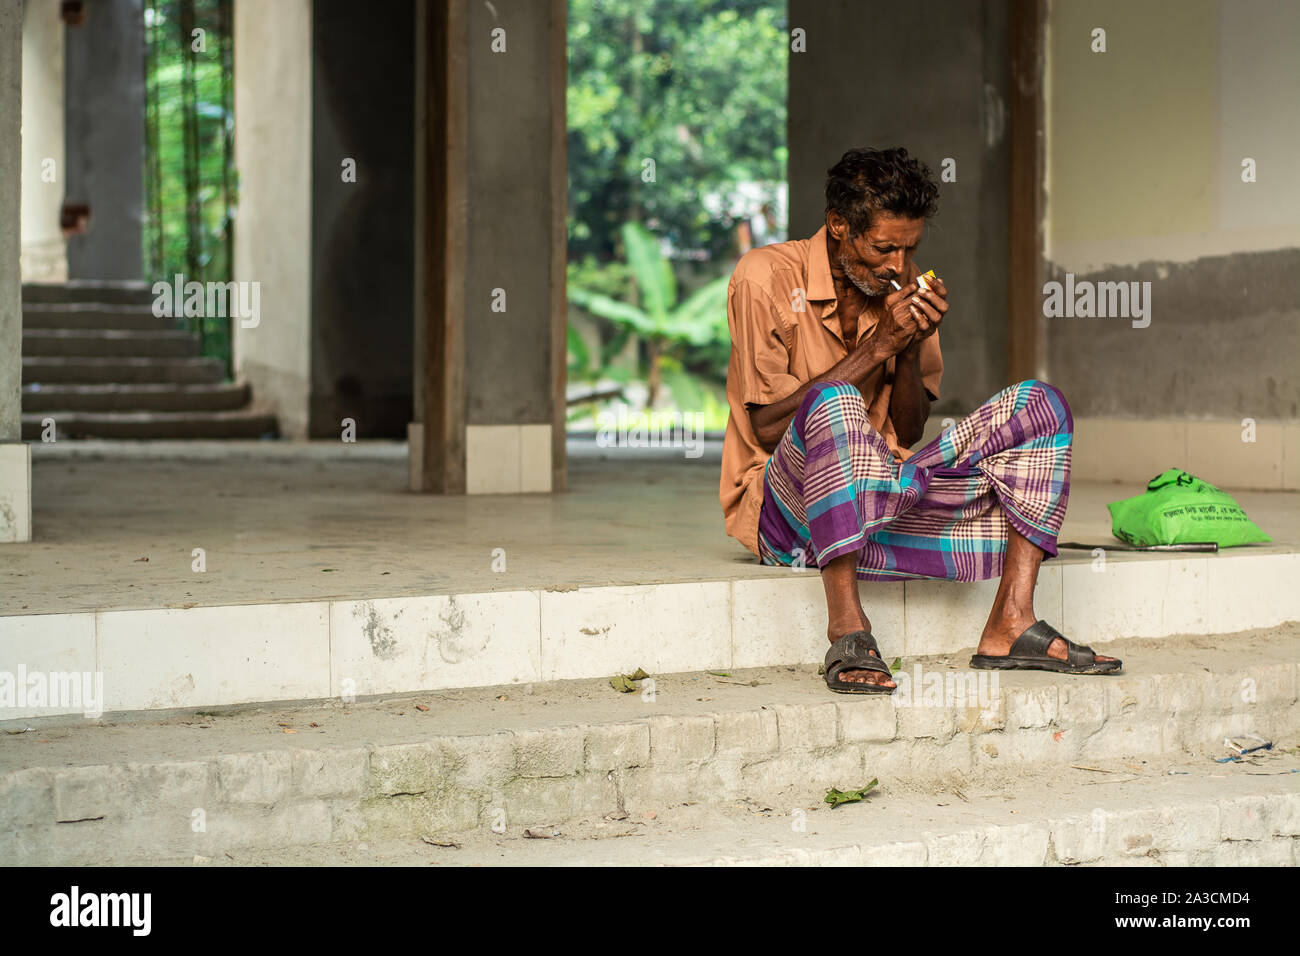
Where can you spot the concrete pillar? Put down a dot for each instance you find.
(514, 281)
(954, 112)
(273, 142)
(44, 251)
(15, 461)
(104, 99)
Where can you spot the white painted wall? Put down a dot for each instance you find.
(273, 68)
(1145, 141)
(44, 255)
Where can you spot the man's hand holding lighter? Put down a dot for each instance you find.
(912, 313)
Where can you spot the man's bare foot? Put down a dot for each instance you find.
(858, 676)
(1002, 630)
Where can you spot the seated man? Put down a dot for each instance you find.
(834, 363)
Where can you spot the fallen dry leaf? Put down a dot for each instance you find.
(290, 730)
(541, 833)
(438, 841)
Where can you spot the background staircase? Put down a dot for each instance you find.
(102, 365)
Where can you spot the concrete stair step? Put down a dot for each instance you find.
(80, 315)
(547, 755)
(1199, 817)
(110, 343)
(121, 371)
(109, 292)
(240, 423)
(225, 396)
(168, 644)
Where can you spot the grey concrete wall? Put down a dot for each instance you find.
(1224, 341)
(508, 354)
(11, 313)
(930, 76)
(363, 103)
(105, 138)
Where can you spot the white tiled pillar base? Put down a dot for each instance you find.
(499, 459)
(15, 491)
(507, 459)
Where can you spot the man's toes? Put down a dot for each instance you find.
(865, 677)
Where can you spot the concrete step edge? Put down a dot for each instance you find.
(1245, 823)
(151, 396)
(559, 773)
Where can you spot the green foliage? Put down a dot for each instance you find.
(657, 79)
(668, 327)
(837, 797)
(210, 187)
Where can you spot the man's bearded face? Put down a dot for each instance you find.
(884, 252)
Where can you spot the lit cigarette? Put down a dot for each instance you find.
(897, 287)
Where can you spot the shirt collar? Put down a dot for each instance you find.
(821, 285)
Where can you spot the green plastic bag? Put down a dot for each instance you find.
(1178, 508)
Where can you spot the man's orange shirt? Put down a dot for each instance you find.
(785, 330)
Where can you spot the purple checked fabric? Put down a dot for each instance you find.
(832, 487)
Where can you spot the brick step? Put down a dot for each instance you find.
(576, 751)
(109, 292)
(78, 315)
(1058, 817)
(121, 371)
(240, 423)
(225, 396)
(110, 343)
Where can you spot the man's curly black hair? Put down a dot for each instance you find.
(869, 181)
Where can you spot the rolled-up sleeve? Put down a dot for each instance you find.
(760, 354)
(931, 365)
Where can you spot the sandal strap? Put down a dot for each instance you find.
(1038, 637)
(852, 652)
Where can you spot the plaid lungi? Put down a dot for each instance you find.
(832, 487)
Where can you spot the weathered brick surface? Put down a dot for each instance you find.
(617, 746)
(550, 776)
(678, 742)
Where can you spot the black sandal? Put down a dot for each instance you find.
(852, 652)
(1029, 653)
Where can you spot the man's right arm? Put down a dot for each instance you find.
(892, 334)
(771, 421)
